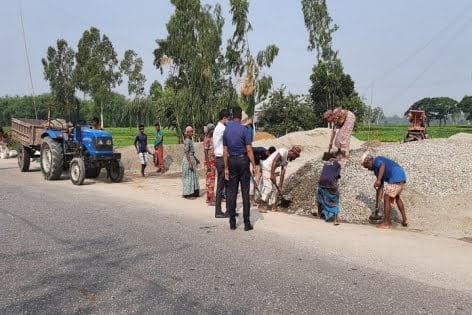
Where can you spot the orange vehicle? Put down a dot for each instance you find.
(417, 129)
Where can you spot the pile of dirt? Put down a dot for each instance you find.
(437, 176)
(262, 135)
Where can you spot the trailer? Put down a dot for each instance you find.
(27, 132)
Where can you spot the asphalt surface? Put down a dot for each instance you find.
(67, 250)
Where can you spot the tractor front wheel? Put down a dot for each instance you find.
(24, 158)
(77, 171)
(51, 159)
(116, 171)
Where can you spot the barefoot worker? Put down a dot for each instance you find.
(343, 120)
(391, 172)
(190, 185)
(260, 154)
(268, 187)
(327, 194)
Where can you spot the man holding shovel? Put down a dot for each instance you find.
(268, 187)
(394, 175)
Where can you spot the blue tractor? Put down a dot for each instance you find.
(84, 151)
(81, 150)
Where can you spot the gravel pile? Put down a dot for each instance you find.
(438, 167)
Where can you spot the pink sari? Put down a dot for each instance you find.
(343, 137)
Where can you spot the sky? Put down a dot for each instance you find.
(397, 52)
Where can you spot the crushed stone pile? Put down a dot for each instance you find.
(437, 167)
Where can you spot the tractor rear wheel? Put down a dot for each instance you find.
(116, 171)
(92, 172)
(51, 159)
(24, 158)
(77, 171)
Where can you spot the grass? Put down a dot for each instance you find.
(396, 133)
(125, 136)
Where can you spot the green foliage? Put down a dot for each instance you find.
(241, 62)
(320, 28)
(96, 71)
(374, 115)
(22, 107)
(58, 70)
(283, 114)
(331, 87)
(465, 106)
(396, 133)
(155, 91)
(436, 108)
(196, 84)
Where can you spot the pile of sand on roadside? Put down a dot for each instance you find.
(437, 194)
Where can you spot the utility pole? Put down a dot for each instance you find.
(27, 59)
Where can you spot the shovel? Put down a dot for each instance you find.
(375, 217)
(285, 200)
(327, 155)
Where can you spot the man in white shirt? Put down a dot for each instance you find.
(220, 163)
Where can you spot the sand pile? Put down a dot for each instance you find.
(435, 169)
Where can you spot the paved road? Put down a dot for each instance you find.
(64, 249)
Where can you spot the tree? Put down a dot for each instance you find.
(283, 114)
(331, 87)
(131, 66)
(436, 108)
(58, 70)
(192, 53)
(96, 71)
(241, 62)
(155, 91)
(465, 106)
(374, 115)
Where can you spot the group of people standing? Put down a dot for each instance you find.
(141, 146)
(233, 163)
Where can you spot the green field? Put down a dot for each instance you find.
(125, 136)
(396, 133)
(384, 133)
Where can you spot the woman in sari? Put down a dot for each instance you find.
(343, 120)
(190, 184)
(327, 194)
(210, 164)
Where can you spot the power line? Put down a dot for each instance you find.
(426, 69)
(421, 48)
(27, 59)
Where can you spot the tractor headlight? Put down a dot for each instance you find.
(109, 142)
(100, 142)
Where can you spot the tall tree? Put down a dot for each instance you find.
(96, 72)
(331, 87)
(131, 66)
(192, 53)
(58, 70)
(241, 62)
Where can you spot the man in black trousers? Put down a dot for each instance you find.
(220, 163)
(237, 153)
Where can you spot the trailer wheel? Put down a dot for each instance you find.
(116, 171)
(77, 171)
(92, 172)
(24, 158)
(51, 159)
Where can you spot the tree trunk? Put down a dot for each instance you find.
(101, 114)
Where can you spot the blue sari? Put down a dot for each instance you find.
(329, 200)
